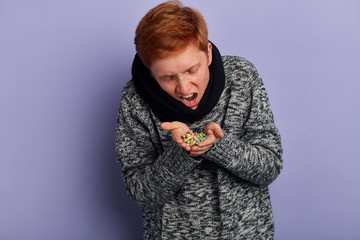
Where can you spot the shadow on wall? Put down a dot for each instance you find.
(129, 213)
(120, 212)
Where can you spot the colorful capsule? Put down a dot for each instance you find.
(193, 139)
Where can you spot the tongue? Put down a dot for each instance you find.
(190, 99)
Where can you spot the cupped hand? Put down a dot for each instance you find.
(177, 130)
(213, 132)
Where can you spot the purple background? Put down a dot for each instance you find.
(62, 68)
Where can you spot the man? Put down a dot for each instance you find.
(219, 188)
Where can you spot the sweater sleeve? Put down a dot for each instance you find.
(151, 176)
(254, 152)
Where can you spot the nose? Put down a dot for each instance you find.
(183, 84)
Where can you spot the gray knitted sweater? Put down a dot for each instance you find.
(224, 193)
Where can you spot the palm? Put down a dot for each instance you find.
(177, 130)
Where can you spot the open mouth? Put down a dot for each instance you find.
(189, 98)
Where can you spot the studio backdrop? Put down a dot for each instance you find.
(63, 65)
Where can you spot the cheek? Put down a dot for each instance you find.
(168, 87)
(203, 79)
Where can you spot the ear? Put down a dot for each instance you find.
(209, 53)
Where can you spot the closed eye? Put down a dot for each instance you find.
(168, 78)
(193, 69)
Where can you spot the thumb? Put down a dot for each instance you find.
(219, 133)
(169, 126)
(166, 126)
(210, 132)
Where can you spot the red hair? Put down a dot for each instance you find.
(168, 29)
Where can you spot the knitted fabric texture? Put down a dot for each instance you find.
(224, 193)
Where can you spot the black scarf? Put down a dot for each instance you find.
(167, 108)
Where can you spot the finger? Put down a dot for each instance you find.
(210, 132)
(201, 150)
(218, 132)
(192, 154)
(168, 126)
(195, 153)
(184, 146)
(210, 140)
(216, 129)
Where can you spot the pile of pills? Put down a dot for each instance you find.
(193, 139)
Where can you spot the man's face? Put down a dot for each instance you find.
(184, 76)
